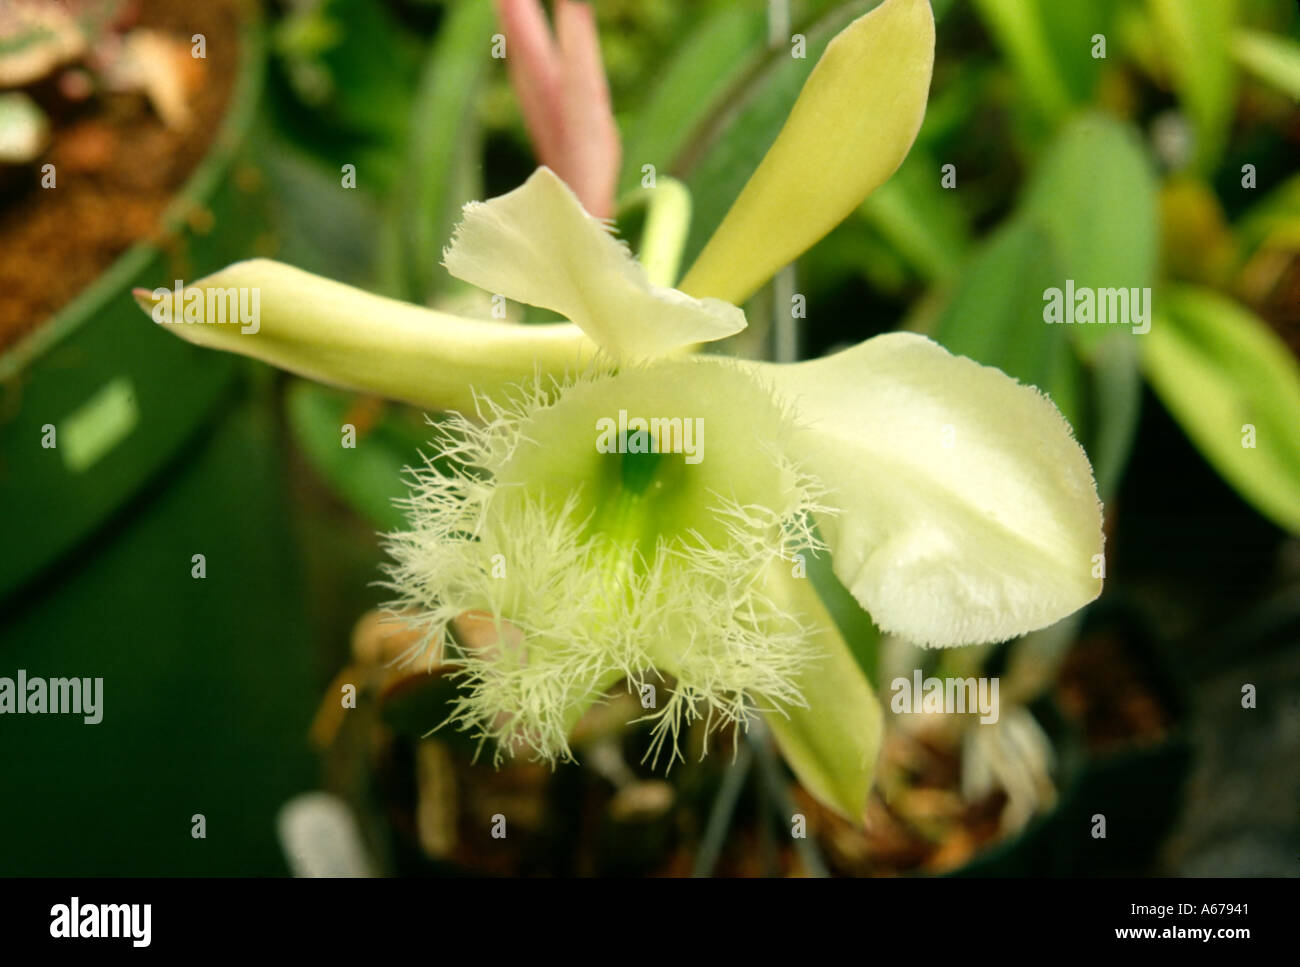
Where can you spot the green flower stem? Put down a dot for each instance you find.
(769, 771)
(724, 806)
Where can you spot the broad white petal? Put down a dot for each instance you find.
(967, 511)
(538, 245)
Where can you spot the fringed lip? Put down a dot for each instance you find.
(581, 572)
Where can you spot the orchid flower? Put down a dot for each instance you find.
(569, 536)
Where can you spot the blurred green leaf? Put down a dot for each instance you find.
(1195, 38)
(1116, 398)
(995, 314)
(859, 632)
(1270, 58)
(441, 172)
(1020, 32)
(1070, 29)
(1276, 216)
(369, 476)
(351, 70)
(854, 252)
(321, 227)
(1095, 194)
(710, 63)
(371, 68)
(955, 99)
(1220, 371)
(745, 126)
(1049, 44)
(921, 219)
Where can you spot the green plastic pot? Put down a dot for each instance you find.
(209, 685)
(121, 394)
(1138, 787)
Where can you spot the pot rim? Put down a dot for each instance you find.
(201, 184)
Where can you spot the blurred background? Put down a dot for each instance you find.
(1144, 143)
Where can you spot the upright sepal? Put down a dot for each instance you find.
(853, 124)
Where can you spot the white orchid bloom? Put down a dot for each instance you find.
(955, 503)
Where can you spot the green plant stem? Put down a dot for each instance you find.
(769, 771)
(724, 807)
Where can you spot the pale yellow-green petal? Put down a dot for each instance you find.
(346, 337)
(853, 124)
(538, 245)
(967, 511)
(831, 743)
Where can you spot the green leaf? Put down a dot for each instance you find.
(1050, 46)
(1270, 58)
(922, 220)
(995, 315)
(859, 632)
(1274, 219)
(1018, 27)
(1095, 194)
(1117, 405)
(854, 252)
(1221, 372)
(1195, 38)
(1070, 29)
(709, 64)
(441, 174)
(371, 68)
(368, 477)
(746, 124)
(832, 743)
(363, 66)
(320, 228)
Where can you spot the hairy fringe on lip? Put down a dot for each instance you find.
(564, 634)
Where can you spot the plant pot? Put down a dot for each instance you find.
(208, 683)
(1136, 783)
(121, 395)
(209, 679)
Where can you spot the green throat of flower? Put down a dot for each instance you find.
(634, 497)
(615, 556)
